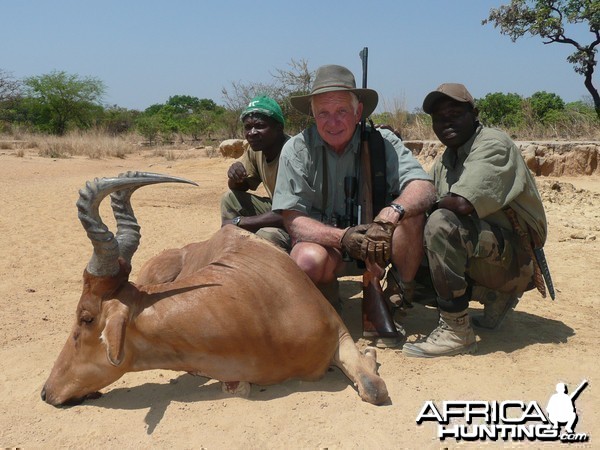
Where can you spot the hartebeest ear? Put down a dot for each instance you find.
(113, 335)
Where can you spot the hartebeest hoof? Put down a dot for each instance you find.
(371, 386)
(237, 388)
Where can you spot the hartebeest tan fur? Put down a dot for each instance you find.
(233, 308)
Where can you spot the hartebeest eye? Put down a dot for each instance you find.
(86, 317)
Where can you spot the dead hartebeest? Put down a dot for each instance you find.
(234, 308)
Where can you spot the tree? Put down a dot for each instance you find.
(149, 127)
(116, 120)
(181, 114)
(500, 109)
(10, 88)
(295, 80)
(547, 19)
(184, 103)
(65, 98)
(546, 105)
(10, 94)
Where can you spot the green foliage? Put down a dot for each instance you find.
(501, 110)
(116, 120)
(199, 124)
(149, 127)
(582, 108)
(182, 104)
(62, 99)
(31, 112)
(545, 106)
(548, 19)
(10, 89)
(181, 115)
(187, 104)
(10, 94)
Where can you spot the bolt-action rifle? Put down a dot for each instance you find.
(376, 317)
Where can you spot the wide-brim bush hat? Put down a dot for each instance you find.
(331, 78)
(455, 91)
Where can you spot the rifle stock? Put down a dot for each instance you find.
(377, 320)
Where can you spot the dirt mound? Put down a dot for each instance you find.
(563, 193)
(561, 158)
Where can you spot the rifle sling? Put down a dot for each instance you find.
(378, 169)
(378, 173)
(325, 186)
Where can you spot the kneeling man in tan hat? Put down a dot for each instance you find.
(310, 194)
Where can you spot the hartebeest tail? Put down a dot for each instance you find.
(234, 308)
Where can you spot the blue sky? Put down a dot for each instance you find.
(146, 51)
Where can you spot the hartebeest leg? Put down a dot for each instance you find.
(237, 388)
(361, 369)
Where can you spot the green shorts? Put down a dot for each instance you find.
(463, 251)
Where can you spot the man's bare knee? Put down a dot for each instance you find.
(315, 261)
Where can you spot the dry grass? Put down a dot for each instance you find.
(94, 145)
(99, 145)
(91, 144)
(572, 126)
(420, 129)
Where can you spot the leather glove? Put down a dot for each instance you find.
(377, 243)
(352, 240)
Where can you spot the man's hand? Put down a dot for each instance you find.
(377, 243)
(237, 173)
(352, 241)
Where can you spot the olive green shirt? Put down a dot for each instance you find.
(489, 171)
(305, 158)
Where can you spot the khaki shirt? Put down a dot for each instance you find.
(489, 171)
(305, 157)
(259, 170)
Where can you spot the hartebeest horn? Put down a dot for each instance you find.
(104, 260)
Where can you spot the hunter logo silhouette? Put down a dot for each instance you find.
(561, 406)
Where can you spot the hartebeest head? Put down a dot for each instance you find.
(93, 354)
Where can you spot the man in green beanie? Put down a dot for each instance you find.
(264, 131)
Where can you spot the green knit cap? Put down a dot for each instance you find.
(264, 105)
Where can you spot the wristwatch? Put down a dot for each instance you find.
(399, 209)
(236, 221)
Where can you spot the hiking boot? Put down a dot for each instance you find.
(494, 311)
(452, 336)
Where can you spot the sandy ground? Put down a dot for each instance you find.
(44, 250)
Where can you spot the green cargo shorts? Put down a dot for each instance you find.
(463, 251)
(241, 203)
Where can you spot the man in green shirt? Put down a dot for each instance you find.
(470, 243)
(310, 187)
(263, 129)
